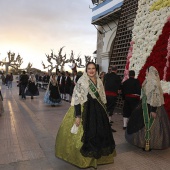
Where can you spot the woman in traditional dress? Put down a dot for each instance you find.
(32, 87)
(52, 95)
(93, 143)
(149, 126)
(62, 85)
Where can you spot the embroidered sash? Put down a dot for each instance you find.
(93, 88)
(148, 120)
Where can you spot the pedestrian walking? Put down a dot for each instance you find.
(67, 86)
(32, 89)
(112, 84)
(52, 95)
(131, 91)
(24, 82)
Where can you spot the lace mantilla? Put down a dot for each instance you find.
(82, 89)
(152, 88)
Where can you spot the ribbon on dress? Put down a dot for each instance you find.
(93, 88)
(148, 121)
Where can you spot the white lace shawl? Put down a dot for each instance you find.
(153, 89)
(32, 78)
(81, 90)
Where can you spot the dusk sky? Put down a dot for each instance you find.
(34, 27)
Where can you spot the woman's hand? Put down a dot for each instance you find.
(153, 114)
(78, 121)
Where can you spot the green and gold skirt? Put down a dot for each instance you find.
(67, 146)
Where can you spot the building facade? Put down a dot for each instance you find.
(105, 16)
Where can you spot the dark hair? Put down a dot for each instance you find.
(131, 73)
(23, 72)
(89, 64)
(114, 68)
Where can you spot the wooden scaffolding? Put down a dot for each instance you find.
(123, 37)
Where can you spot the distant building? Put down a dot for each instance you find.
(114, 21)
(105, 18)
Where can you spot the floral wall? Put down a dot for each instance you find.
(150, 45)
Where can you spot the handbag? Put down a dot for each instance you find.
(74, 129)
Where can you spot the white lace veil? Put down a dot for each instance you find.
(153, 89)
(32, 78)
(52, 81)
(81, 90)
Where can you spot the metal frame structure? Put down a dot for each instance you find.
(123, 37)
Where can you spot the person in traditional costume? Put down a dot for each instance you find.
(62, 85)
(149, 126)
(131, 91)
(74, 81)
(52, 95)
(1, 103)
(67, 86)
(85, 138)
(73, 66)
(23, 82)
(32, 89)
(112, 84)
(58, 77)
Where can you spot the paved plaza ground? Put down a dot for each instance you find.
(27, 137)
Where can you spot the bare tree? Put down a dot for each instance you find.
(56, 60)
(13, 62)
(77, 60)
(50, 66)
(59, 60)
(28, 68)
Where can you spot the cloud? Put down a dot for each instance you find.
(41, 25)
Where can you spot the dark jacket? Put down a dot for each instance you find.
(112, 82)
(67, 84)
(24, 79)
(131, 86)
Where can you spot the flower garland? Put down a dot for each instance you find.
(167, 62)
(159, 58)
(150, 39)
(126, 72)
(147, 29)
(160, 4)
(158, 55)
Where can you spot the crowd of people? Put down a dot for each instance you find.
(85, 136)
(59, 86)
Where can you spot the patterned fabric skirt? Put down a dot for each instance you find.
(160, 130)
(51, 101)
(29, 93)
(68, 145)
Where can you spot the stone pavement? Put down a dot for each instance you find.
(27, 137)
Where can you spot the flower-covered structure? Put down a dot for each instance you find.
(150, 44)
